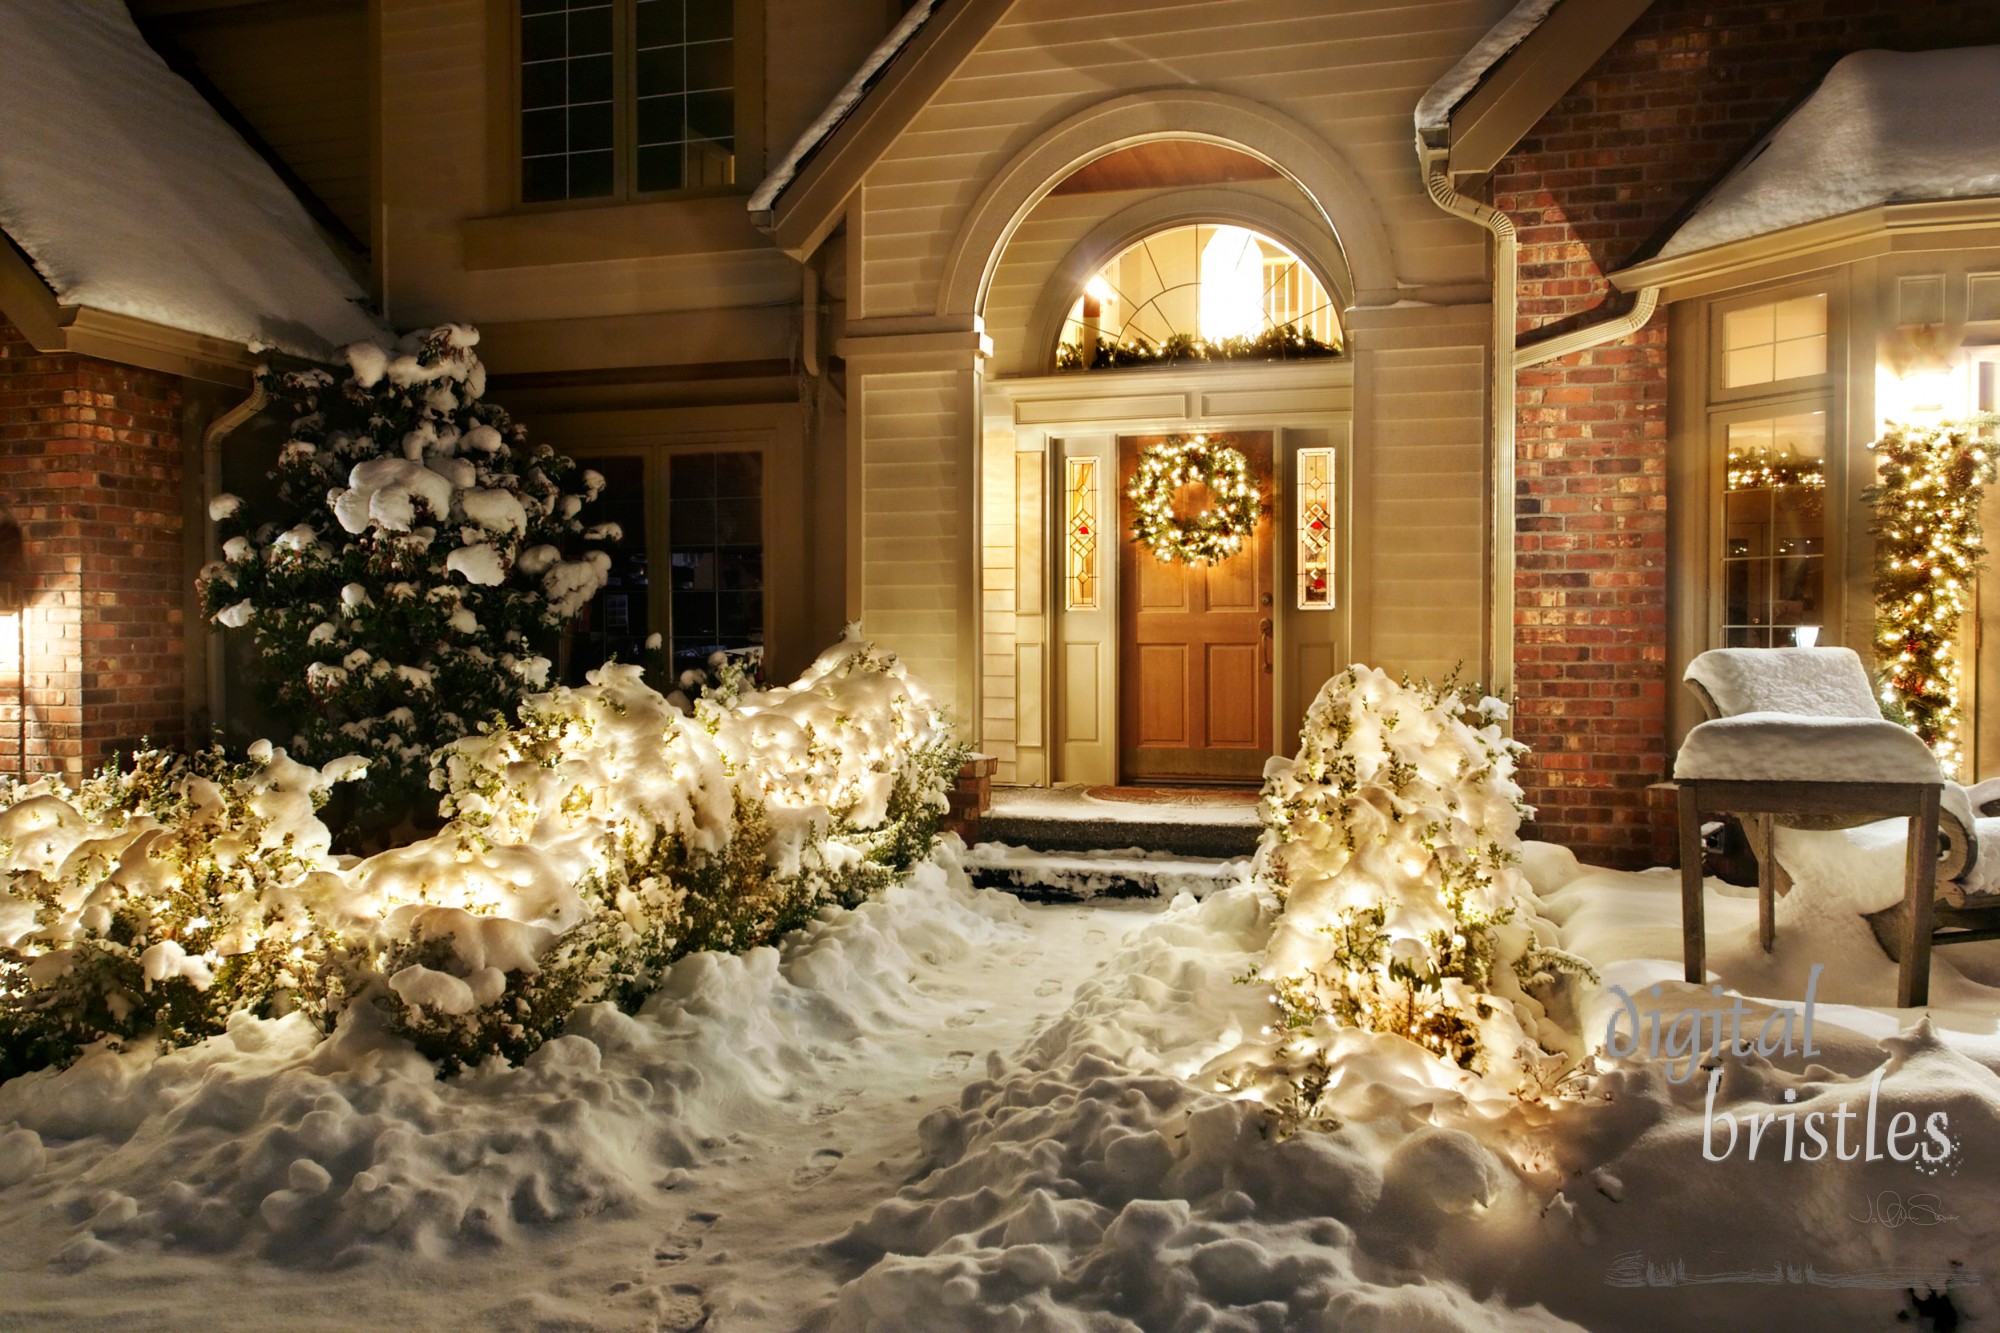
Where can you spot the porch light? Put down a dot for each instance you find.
(1805, 636)
(1926, 383)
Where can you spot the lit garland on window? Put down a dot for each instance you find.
(1927, 547)
(1214, 534)
(1280, 342)
(1758, 469)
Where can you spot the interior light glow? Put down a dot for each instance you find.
(1232, 286)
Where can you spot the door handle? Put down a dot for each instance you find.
(1264, 630)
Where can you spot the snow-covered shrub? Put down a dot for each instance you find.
(727, 674)
(418, 549)
(159, 899)
(628, 834)
(1392, 840)
(589, 844)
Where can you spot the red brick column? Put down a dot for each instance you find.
(1683, 95)
(90, 467)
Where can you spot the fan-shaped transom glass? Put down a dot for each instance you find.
(1196, 293)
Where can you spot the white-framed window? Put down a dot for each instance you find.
(1774, 438)
(1199, 289)
(690, 565)
(625, 98)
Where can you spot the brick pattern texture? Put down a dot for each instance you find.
(1679, 99)
(90, 467)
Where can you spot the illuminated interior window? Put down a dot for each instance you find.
(1785, 340)
(1315, 529)
(1080, 485)
(1774, 532)
(1197, 292)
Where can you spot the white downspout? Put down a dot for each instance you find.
(809, 330)
(1436, 163)
(1591, 335)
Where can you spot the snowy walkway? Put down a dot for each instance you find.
(731, 1240)
(819, 1139)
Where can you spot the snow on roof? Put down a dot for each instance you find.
(131, 195)
(1884, 127)
(841, 106)
(1435, 107)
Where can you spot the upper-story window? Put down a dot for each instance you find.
(625, 98)
(1773, 342)
(1199, 292)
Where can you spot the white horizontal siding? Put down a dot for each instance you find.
(1352, 76)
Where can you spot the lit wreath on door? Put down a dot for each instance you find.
(1216, 533)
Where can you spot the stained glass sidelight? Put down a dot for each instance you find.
(1080, 485)
(1315, 529)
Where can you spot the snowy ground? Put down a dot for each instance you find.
(949, 1111)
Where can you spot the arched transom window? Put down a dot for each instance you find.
(1203, 292)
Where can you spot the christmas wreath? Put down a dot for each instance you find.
(1214, 534)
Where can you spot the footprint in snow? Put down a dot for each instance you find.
(681, 1309)
(819, 1168)
(966, 1020)
(684, 1241)
(1093, 936)
(833, 1106)
(1048, 987)
(952, 1065)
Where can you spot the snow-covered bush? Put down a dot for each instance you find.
(418, 548)
(588, 845)
(159, 899)
(1392, 840)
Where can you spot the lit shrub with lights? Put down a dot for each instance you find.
(160, 899)
(1392, 841)
(588, 845)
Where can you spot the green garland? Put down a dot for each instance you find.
(1282, 342)
(1927, 547)
(1211, 536)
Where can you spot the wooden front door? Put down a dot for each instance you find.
(1195, 646)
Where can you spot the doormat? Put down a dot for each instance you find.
(1175, 795)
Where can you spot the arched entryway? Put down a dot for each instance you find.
(1165, 291)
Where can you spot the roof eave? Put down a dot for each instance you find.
(1936, 224)
(49, 326)
(1523, 84)
(809, 206)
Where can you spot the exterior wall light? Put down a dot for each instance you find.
(1923, 383)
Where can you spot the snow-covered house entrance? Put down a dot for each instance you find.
(1019, 192)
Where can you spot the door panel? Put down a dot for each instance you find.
(1234, 682)
(1194, 647)
(1163, 703)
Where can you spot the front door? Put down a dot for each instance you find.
(1195, 645)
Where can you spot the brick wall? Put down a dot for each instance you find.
(90, 467)
(1677, 101)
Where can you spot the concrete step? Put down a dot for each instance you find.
(1074, 821)
(1127, 872)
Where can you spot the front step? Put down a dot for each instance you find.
(1070, 877)
(1073, 821)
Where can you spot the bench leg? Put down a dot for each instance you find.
(1913, 972)
(1693, 938)
(1764, 844)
